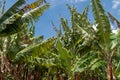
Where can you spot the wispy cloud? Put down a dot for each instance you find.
(55, 3)
(76, 1)
(116, 4)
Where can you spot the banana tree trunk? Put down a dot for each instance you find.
(109, 70)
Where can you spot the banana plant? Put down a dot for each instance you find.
(15, 34)
(12, 21)
(107, 48)
(81, 38)
(78, 43)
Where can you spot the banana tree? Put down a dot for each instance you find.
(12, 21)
(99, 41)
(16, 20)
(74, 46)
(107, 48)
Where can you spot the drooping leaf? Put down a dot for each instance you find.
(113, 19)
(96, 64)
(12, 10)
(102, 20)
(64, 56)
(17, 20)
(35, 50)
(34, 13)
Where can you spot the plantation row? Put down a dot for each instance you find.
(79, 52)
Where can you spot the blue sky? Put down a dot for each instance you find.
(58, 8)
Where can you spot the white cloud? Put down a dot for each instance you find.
(68, 0)
(55, 3)
(115, 31)
(95, 27)
(77, 1)
(116, 4)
